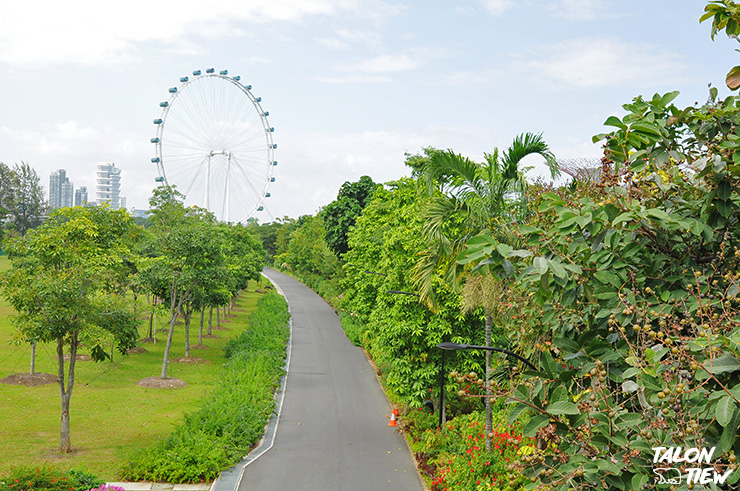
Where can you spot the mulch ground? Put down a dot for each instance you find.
(161, 383)
(30, 379)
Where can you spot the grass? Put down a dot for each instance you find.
(111, 416)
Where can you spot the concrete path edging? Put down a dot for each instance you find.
(230, 479)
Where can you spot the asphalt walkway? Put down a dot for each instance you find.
(332, 430)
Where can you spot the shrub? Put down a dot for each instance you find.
(454, 456)
(47, 478)
(232, 419)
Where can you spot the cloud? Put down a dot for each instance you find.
(345, 39)
(395, 63)
(579, 10)
(387, 64)
(498, 7)
(593, 62)
(472, 79)
(93, 32)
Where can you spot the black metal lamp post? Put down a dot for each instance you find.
(449, 346)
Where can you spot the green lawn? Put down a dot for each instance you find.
(111, 416)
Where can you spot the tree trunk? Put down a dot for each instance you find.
(173, 318)
(188, 315)
(218, 316)
(210, 321)
(489, 417)
(33, 358)
(166, 359)
(65, 393)
(151, 316)
(200, 331)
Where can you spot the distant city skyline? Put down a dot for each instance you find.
(108, 189)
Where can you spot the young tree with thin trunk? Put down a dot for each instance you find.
(184, 255)
(60, 285)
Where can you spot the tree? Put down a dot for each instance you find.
(307, 252)
(636, 278)
(471, 199)
(340, 215)
(59, 285)
(400, 332)
(24, 200)
(184, 257)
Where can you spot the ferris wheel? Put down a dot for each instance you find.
(214, 144)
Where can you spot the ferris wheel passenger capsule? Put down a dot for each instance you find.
(266, 113)
(259, 99)
(164, 104)
(223, 72)
(274, 162)
(173, 90)
(260, 208)
(236, 78)
(154, 140)
(274, 145)
(155, 160)
(271, 130)
(184, 79)
(272, 179)
(196, 73)
(159, 179)
(249, 87)
(267, 195)
(158, 121)
(210, 70)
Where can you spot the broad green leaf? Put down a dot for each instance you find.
(539, 265)
(520, 253)
(562, 407)
(503, 249)
(630, 386)
(724, 190)
(645, 128)
(668, 98)
(659, 214)
(724, 409)
(557, 269)
(723, 364)
(627, 216)
(534, 424)
(614, 121)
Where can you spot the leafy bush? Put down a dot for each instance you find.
(232, 419)
(454, 457)
(46, 478)
(636, 276)
(82, 480)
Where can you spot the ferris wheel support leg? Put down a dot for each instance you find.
(228, 188)
(208, 182)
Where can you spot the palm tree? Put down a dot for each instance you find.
(469, 199)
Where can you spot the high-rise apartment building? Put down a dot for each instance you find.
(109, 184)
(68, 192)
(60, 189)
(81, 196)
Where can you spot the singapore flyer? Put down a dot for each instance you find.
(214, 145)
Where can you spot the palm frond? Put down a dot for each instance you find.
(524, 145)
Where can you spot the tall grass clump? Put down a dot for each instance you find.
(232, 419)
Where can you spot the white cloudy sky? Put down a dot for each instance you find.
(350, 84)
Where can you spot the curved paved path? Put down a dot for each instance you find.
(333, 432)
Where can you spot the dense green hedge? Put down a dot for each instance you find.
(233, 417)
